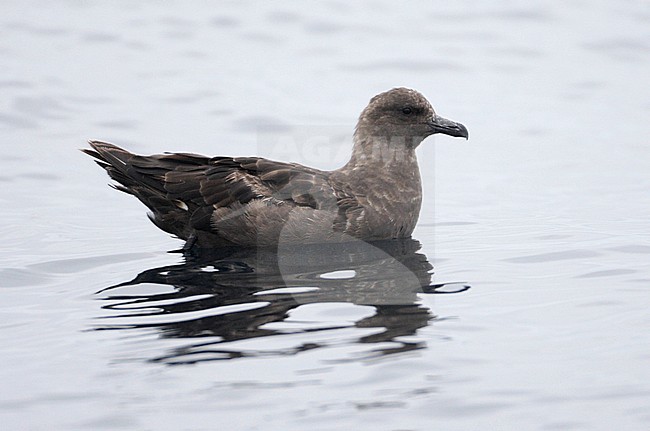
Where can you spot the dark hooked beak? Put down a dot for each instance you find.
(448, 127)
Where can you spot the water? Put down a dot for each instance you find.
(543, 212)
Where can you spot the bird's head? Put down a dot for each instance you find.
(404, 115)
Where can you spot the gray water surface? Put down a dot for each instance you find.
(521, 303)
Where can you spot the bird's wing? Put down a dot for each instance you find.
(184, 190)
(228, 180)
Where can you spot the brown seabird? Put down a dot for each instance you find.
(254, 202)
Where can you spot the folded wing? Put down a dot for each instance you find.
(183, 191)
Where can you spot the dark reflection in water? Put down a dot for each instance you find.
(245, 294)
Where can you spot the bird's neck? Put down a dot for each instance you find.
(391, 154)
(381, 166)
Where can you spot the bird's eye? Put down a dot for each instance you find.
(407, 111)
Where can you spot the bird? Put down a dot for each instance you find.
(223, 201)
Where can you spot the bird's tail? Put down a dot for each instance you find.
(142, 177)
(115, 161)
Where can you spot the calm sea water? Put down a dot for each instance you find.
(521, 303)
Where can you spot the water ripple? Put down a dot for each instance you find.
(253, 295)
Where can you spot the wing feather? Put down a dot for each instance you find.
(183, 190)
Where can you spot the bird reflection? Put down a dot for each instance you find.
(242, 294)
